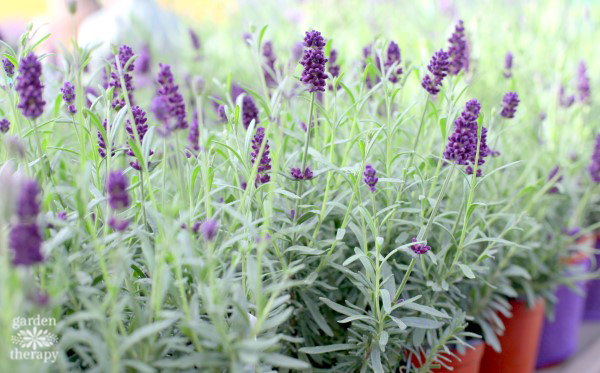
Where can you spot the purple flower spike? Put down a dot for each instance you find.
(68, 91)
(438, 67)
(462, 143)
(551, 176)
(209, 229)
(194, 133)
(28, 205)
(393, 59)
(143, 62)
(9, 68)
(270, 59)
(583, 83)
(314, 62)
(308, 174)
(564, 100)
(370, 178)
(174, 100)
(264, 164)
(458, 51)
(508, 61)
(29, 87)
(62, 215)
(249, 112)
(125, 54)
(296, 173)
(195, 40)
(419, 248)
(116, 186)
(333, 68)
(140, 119)
(509, 105)
(4, 125)
(117, 224)
(25, 242)
(594, 167)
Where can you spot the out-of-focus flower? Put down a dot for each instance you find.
(509, 105)
(30, 88)
(419, 248)
(209, 229)
(594, 167)
(9, 68)
(438, 67)
(174, 100)
(314, 61)
(4, 125)
(551, 176)
(195, 40)
(125, 54)
(269, 63)
(462, 143)
(68, 91)
(28, 204)
(369, 177)
(249, 111)
(264, 163)
(508, 61)
(298, 175)
(583, 83)
(458, 52)
(144, 60)
(332, 67)
(62, 215)
(199, 84)
(117, 224)
(194, 133)
(15, 146)
(116, 186)
(565, 101)
(25, 242)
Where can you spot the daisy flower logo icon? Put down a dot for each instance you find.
(35, 338)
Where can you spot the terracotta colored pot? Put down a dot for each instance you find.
(519, 342)
(560, 336)
(592, 303)
(468, 363)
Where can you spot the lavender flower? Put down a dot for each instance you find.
(29, 87)
(209, 229)
(508, 61)
(62, 215)
(249, 111)
(458, 53)
(393, 59)
(236, 90)
(462, 143)
(314, 61)
(195, 40)
(509, 105)
(28, 204)
(125, 54)
(370, 178)
(438, 67)
(116, 186)
(565, 101)
(551, 176)
(583, 83)
(25, 242)
(594, 167)
(139, 117)
(269, 69)
(264, 164)
(4, 125)
(9, 68)
(68, 91)
(298, 175)
(174, 99)
(419, 248)
(333, 68)
(102, 143)
(117, 225)
(194, 133)
(143, 60)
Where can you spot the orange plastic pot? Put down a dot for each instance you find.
(462, 363)
(519, 343)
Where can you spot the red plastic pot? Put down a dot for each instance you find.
(519, 342)
(462, 363)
